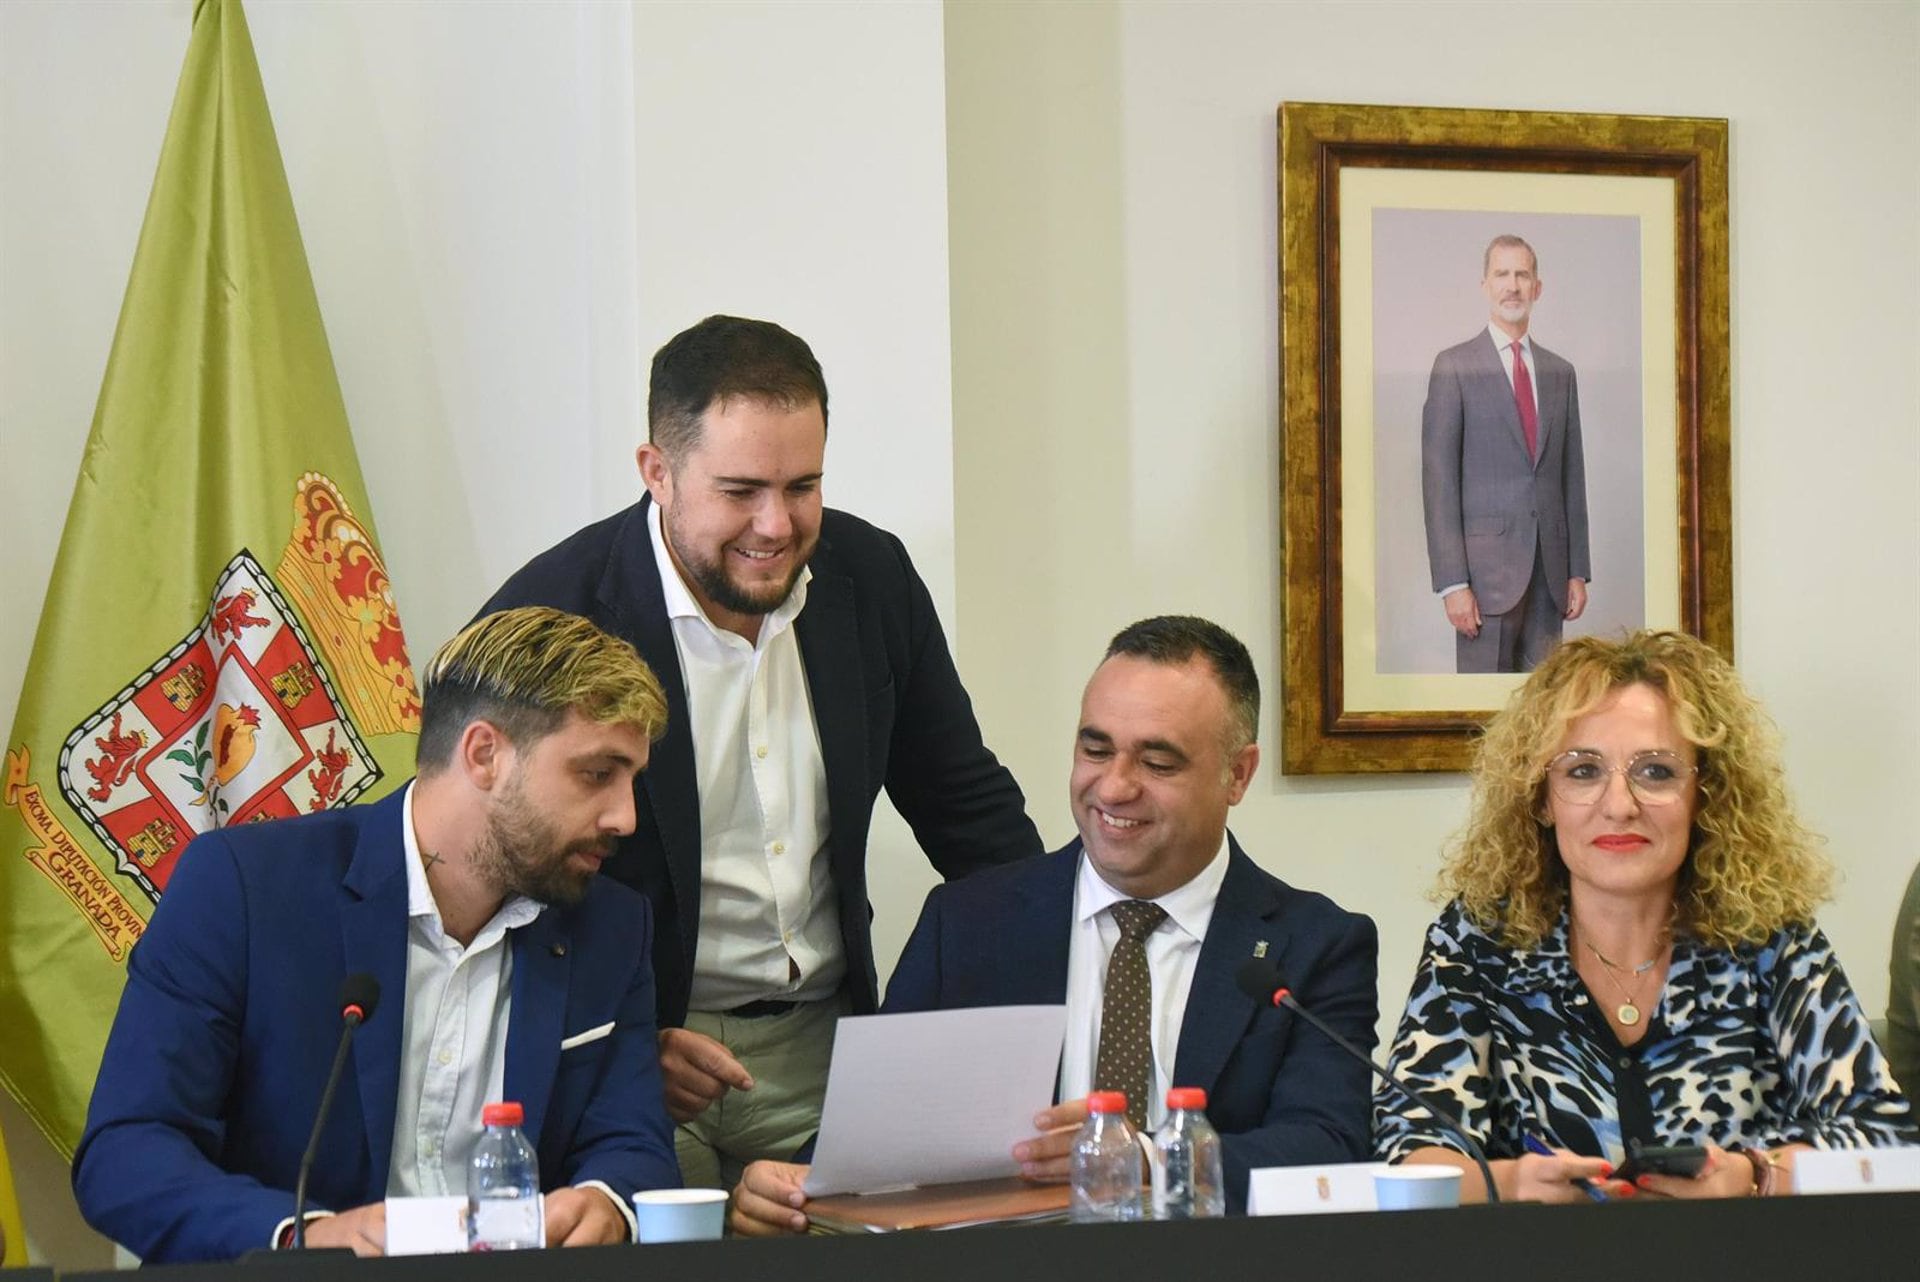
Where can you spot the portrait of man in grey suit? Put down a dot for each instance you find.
(1503, 479)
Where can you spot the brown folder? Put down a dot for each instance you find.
(940, 1206)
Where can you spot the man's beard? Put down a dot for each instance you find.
(711, 577)
(522, 854)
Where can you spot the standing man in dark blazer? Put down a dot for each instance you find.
(1165, 747)
(1504, 481)
(805, 669)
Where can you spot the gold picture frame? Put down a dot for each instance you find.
(1377, 206)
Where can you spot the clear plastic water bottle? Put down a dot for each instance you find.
(504, 1207)
(1194, 1186)
(1106, 1163)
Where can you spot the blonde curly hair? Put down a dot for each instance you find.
(1751, 867)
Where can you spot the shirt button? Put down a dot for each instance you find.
(779, 847)
(786, 937)
(446, 1057)
(761, 751)
(1626, 1061)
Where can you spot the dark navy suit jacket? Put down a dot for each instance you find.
(1278, 1092)
(226, 1030)
(887, 701)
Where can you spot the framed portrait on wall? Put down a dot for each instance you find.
(1505, 404)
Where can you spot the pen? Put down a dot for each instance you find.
(1538, 1147)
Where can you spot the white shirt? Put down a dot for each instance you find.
(1503, 341)
(453, 1055)
(769, 919)
(1173, 950)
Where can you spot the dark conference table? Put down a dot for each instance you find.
(1873, 1237)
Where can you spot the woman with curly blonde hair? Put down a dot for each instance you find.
(1629, 956)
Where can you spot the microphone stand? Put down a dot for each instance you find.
(351, 1019)
(1285, 997)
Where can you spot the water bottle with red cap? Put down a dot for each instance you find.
(1188, 1182)
(504, 1207)
(1106, 1162)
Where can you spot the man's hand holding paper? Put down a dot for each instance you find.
(1048, 1156)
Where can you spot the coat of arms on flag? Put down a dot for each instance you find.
(239, 722)
(243, 720)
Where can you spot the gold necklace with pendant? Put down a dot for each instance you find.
(1628, 1012)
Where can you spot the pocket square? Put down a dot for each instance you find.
(591, 1035)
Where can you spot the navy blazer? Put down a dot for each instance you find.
(887, 701)
(227, 1027)
(1278, 1092)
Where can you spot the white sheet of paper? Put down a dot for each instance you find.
(426, 1225)
(934, 1096)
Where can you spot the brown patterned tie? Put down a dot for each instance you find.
(1125, 1061)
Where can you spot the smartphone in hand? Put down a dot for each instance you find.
(1661, 1159)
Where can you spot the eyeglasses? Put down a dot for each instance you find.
(1656, 778)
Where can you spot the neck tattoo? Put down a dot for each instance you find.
(429, 859)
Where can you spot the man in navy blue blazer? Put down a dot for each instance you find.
(506, 968)
(1165, 746)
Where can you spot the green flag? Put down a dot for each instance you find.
(219, 642)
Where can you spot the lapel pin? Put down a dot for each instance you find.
(559, 950)
(1260, 949)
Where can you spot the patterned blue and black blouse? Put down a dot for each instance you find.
(1752, 1047)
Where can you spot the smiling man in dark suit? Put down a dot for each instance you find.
(1504, 480)
(1156, 890)
(805, 669)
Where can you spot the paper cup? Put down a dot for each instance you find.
(1416, 1188)
(680, 1215)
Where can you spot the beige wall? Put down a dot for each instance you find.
(1112, 179)
(467, 174)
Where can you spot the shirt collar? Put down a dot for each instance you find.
(1503, 342)
(517, 911)
(679, 598)
(1189, 907)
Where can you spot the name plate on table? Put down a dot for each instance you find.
(1857, 1170)
(1313, 1190)
(426, 1225)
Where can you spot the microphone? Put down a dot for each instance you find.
(1260, 979)
(359, 994)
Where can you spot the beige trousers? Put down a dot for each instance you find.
(787, 1055)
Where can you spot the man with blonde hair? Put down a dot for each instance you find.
(470, 898)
